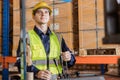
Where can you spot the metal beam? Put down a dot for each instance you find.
(97, 59)
(5, 36)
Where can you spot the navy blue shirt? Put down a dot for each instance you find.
(46, 42)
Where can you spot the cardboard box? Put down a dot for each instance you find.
(16, 4)
(0, 6)
(31, 3)
(16, 22)
(87, 39)
(15, 44)
(0, 44)
(0, 24)
(61, 25)
(63, 10)
(90, 39)
(28, 3)
(68, 37)
(29, 19)
(100, 13)
(90, 14)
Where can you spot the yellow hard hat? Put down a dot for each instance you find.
(42, 4)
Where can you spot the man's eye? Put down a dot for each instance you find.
(46, 11)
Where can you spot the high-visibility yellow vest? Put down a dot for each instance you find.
(39, 54)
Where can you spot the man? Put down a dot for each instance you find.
(46, 48)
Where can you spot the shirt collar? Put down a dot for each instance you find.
(39, 32)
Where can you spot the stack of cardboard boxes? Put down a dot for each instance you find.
(91, 25)
(61, 22)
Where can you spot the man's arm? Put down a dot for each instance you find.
(72, 61)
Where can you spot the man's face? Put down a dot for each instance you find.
(42, 16)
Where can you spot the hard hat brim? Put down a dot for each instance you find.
(49, 8)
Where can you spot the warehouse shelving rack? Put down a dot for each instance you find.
(5, 59)
(93, 59)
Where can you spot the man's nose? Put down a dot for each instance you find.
(43, 13)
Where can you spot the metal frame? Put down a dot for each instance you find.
(5, 36)
(98, 59)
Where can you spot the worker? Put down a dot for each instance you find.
(46, 48)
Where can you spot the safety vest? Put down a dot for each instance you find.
(39, 55)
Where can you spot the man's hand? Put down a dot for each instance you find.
(66, 56)
(44, 74)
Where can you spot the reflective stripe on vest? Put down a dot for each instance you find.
(38, 51)
(44, 62)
